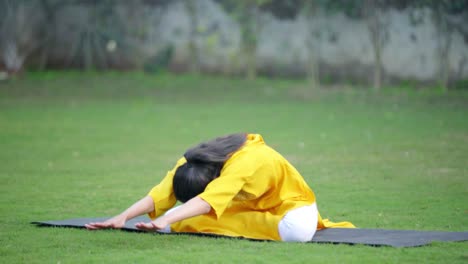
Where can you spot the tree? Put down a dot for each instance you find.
(191, 7)
(378, 34)
(372, 13)
(449, 16)
(19, 21)
(246, 13)
(104, 34)
(88, 38)
(310, 8)
(49, 8)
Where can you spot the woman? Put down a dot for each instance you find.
(234, 185)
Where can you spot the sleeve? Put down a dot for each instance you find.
(220, 192)
(163, 193)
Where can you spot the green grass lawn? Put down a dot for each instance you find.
(86, 145)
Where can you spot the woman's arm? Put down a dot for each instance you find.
(194, 207)
(143, 206)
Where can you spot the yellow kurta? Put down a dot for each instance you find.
(256, 188)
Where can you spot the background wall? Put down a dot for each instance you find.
(373, 42)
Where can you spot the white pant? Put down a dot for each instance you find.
(298, 225)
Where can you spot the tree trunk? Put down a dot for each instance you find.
(444, 41)
(377, 67)
(376, 35)
(313, 76)
(313, 68)
(12, 59)
(249, 39)
(18, 24)
(190, 6)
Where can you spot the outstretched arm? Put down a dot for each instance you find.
(194, 207)
(143, 206)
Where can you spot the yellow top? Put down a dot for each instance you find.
(256, 188)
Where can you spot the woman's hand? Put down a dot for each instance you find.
(193, 207)
(114, 222)
(143, 206)
(158, 224)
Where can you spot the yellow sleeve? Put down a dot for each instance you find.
(163, 193)
(325, 223)
(235, 174)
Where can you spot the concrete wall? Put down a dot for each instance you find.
(341, 44)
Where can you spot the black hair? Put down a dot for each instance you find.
(204, 164)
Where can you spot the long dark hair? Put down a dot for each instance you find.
(204, 163)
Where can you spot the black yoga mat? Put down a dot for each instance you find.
(372, 237)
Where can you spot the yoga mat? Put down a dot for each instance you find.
(372, 237)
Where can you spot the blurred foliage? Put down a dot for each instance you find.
(451, 7)
(354, 8)
(160, 61)
(246, 13)
(282, 9)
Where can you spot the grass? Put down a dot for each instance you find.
(84, 145)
